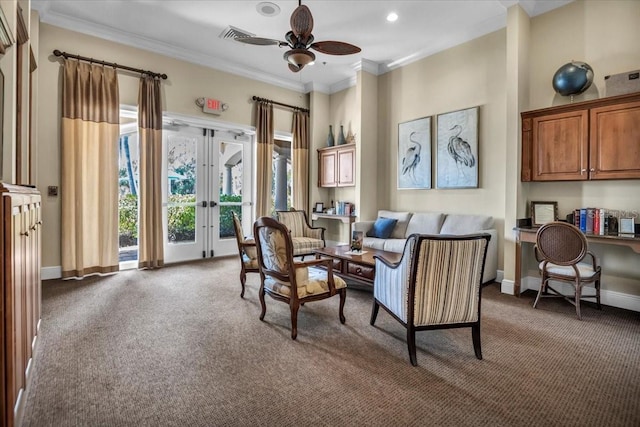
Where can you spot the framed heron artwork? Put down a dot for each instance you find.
(457, 149)
(414, 154)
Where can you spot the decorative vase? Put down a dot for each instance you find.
(330, 140)
(341, 138)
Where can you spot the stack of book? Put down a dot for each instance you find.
(345, 208)
(595, 221)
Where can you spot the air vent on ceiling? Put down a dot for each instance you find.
(232, 32)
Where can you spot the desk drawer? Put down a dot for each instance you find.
(360, 270)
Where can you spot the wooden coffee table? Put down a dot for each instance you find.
(359, 268)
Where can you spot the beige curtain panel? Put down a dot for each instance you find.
(264, 135)
(150, 241)
(301, 160)
(90, 132)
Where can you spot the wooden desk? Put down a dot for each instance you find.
(344, 218)
(528, 235)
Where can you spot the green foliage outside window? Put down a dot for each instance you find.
(128, 220)
(182, 219)
(226, 218)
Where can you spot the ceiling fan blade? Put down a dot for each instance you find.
(302, 22)
(260, 41)
(295, 68)
(335, 48)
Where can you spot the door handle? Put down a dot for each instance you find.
(203, 204)
(212, 204)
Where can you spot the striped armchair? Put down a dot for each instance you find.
(435, 285)
(305, 238)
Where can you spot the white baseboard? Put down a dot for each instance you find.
(48, 273)
(499, 276)
(610, 298)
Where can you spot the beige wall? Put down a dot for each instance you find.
(342, 111)
(185, 84)
(605, 35)
(469, 75)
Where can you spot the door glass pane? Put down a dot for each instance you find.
(230, 161)
(128, 179)
(181, 198)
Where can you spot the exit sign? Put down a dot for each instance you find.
(212, 106)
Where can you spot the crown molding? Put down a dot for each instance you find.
(122, 37)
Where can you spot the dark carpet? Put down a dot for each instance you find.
(179, 347)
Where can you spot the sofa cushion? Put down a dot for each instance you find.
(382, 228)
(401, 226)
(425, 223)
(373, 242)
(394, 245)
(465, 224)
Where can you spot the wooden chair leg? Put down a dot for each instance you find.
(475, 335)
(411, 342)
(577, 299)
(374, 312)
(261, 293)
(542, 289)
(243, 280)
(343, 298)
(294, 320)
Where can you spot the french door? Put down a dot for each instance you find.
(207, 176)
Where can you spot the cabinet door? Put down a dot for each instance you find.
(346, 167)
(327, 165)
(615, 141)
(560, 146)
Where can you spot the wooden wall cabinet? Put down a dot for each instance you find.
(336, 166)
(598, 139)
(20, 219)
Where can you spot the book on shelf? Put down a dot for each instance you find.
(589, 223)
(345, 209)
(583, 220)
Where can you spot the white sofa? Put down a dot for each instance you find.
(434, 223)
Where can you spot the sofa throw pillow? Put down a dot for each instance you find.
(382, 228)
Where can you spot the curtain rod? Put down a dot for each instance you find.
(304, 110)
(110, 64)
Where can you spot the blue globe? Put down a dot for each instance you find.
(573, 78)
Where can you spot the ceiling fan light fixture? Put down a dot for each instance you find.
(299, 57)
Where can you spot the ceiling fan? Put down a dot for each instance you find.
(300, 40)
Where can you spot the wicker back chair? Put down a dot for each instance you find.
(247, 252)
(560, 248)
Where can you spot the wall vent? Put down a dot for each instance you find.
(232, 32)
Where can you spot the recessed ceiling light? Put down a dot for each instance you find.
(266, 8)
(392, 17)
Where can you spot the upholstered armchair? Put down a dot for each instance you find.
(247, 252)
(305, 238)
(435, 285)
(294, 283)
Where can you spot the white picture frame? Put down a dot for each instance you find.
(414, 154)
(627, 226)
(457, 149)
